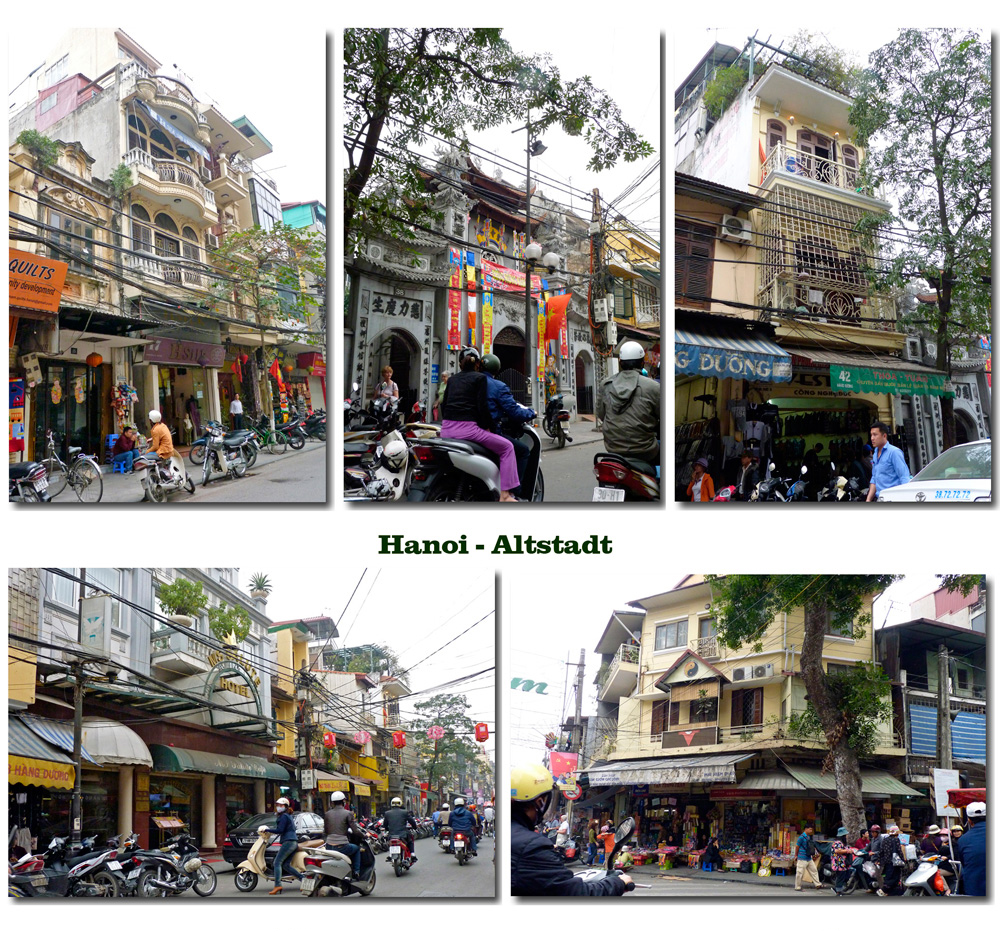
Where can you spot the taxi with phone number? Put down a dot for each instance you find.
(960, 474)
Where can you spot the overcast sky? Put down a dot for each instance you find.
(579, 612)
(256, 66)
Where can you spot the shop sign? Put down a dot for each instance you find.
(388, 304)
(217, 658)
(734, 792)
(857, 379)
(184, 353)
(730, 364)
(312, 361)
(33, 772)
(36, 282)
(331, 786)
(640, 789)
(691, 737)
(504, 279)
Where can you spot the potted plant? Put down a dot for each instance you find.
(182, 601)
(229, 623)
(260, 586)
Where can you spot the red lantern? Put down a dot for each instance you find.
(94, 360)
(361, 737)
(329, 739)
(399, 739)
(482, 731)
(435, 732)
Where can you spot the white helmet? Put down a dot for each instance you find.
(155, 416)
(631, 355)
(445, 806)
(396, 453)
(337, 797)
(283, 801)
(396, 801)
(459, 801)
(976, 810)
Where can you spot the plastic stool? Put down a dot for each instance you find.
(118, 467)
(708, 866)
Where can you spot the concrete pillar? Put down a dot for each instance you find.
(208, 811)
(125, 787)
(259, 797)
(212, 400)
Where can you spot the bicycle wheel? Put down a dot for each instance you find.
(57, 476)
(87, 481)
(277, 443)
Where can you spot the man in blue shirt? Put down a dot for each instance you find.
(970, 849)
(805, 866)
(503, 406)
(888, 466)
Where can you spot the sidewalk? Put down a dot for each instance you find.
(690, 873)
(582, 431)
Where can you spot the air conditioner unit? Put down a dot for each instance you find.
(758, 671)
(211, 241)
(736, 229)
(742, 673)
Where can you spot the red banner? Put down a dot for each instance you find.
(455, 301)
(503, 279)
(560, 763)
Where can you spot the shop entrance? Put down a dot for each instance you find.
(397, 349)
(75, 402)
(584, 383)
(173, 799)
(182, 394)
(508, 347)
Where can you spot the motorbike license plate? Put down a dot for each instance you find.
(39, 881)
(395, 849)
(608, 495)
(459, 844)
(308, 885)
(133, 874)
(41, 484)
(114, 865)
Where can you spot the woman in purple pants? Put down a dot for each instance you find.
(465, 407)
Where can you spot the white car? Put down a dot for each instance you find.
(961, 474)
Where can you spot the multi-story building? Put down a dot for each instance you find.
(787, 139)
(703, 741)
(177, 727)
(150, 177)
(938, 659)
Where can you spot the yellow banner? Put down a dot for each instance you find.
(329, 786)
(369, 770)
(361, 790)
(40, 772)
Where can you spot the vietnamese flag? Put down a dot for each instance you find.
(555, 315)
(275, 370)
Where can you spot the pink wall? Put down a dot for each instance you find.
(70, 93)
(946, 602)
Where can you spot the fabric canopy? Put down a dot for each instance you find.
(699, 768)
(730, 357)
(179, 760)
(34, 762)
(174, 131)
(110, 742)
(961, 798)
(25, 743)
(873, 782)
(56, 731)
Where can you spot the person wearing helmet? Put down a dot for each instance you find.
(400, 823)
(629, 408)
(160, 441)
(535, 867)
(466, 416)
(285, 830)
(445, 816)
(503, 408)
(970, 849)
(462, 820)
(338, 822)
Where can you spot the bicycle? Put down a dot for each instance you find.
(275, 440)
(82, 475)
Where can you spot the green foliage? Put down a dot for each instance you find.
(827, 64)
(402, 84)
(120, 180)
(225, 620)
(43, 150)
(260, 582)
(862, 694)
(182, 597)
(962, 582)
(725, 87)
(372, 658)
(447, 756)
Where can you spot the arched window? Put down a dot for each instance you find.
(775, 134)
(142, 234)
(166, 245)
(137, 134)
(160, 147)
(851, 164)
(190, 244)
(154, 141)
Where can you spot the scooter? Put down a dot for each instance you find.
(555, 421)
(314, 426)
(88, 873)
(863, 875)
(625, 479)
(464, 471)
(329, 873)
(444, 838)
(254, 867)
(460, 847)
(934, 875)
(726, 494)
(158, 479)
(400, 855)
(569, 852)
(28, 483)
(625, 830)
(175, 868)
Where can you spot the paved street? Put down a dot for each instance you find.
(292, 477)
(436, 874)
(569, 472)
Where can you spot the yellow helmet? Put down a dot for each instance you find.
(529, 781)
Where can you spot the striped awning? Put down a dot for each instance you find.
(873, 782)
(727, 356)
(56, 731)
(23, 742)
(695, 768)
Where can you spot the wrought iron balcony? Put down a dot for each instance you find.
(788, 160)
(621, 675)
(707, 647)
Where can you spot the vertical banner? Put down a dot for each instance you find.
(487, 313)
(564, 340)
(16, 411)
(472, 320)
(455, 300)
(540, 361)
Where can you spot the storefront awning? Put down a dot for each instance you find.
(55, 731)
(698, 768)
(874, 372)
(35, 762)
(327, 782)
(730, 357)
(179, 760)
(873, 782)
(770, 780)
(110, 742)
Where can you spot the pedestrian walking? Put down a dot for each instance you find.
(236, 412)
(285, 830)
(888, 465)
(840, 861)
(892, 861)
(805, 859)
(592, 843)
(700, 488)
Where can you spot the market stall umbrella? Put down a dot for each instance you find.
(961, 798)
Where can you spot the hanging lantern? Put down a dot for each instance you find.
(399, 739)
(362, 737)
(244, 359)
(482, 731)
(329, 739)
(94, 360)
(435, 732)
(288, 367)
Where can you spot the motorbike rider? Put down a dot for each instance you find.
(160, 442)
(489, 814)
(285, 830)
(396, 820)
(970, 849)
(504, 407)
(535, 867)
(337, 821)
(629, 407)
(462, 820)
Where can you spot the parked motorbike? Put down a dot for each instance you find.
(625, 830)
(175, 868)
(726, 494)
(400, 855)
(158, 479)
(387, 478)
(772, 488)
(224, 456)
(625, 479)
(28, 483)
(248, 440)
(464, 471)
(254, 867)
(314, 426)
(555, 421)
(569, 852)
(842, 489)
(85, 872)
(934, 875)
(329, 873)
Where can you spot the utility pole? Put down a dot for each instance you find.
(577, 740)
(598, 331)
(76, 810)
(944, 711)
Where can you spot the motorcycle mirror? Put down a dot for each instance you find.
(804, 470)
(354, 386)
(625, 830)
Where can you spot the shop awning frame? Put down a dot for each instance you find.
(873, 782)
(182, 760)
(110, 742)
(860, 373)
(57, 732)
(728, 356)
(23, 742)
(697, 768)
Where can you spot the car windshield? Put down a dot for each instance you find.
(268, 819)
(964, 462)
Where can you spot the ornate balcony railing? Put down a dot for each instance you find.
(706, 647)
(172, 171)
(789, 160)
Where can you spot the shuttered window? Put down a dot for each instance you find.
(748, 707)
(657, 724)
(694, 248)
